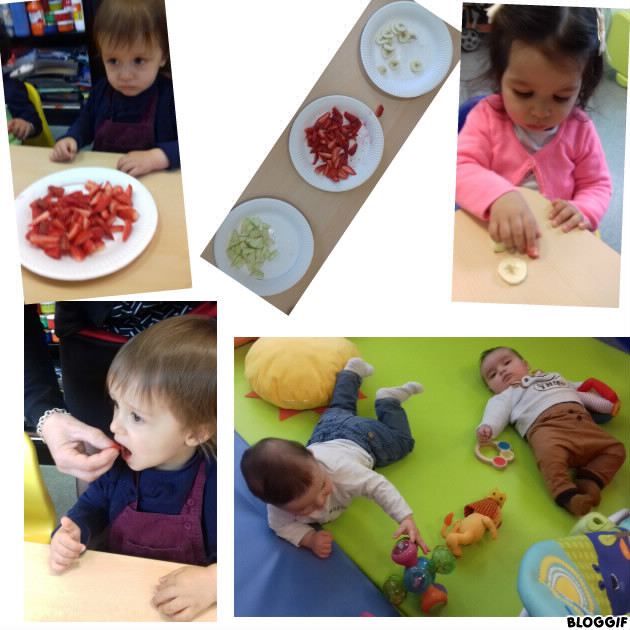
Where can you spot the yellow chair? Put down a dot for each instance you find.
(40, 517)
(45, 138)
(617, 45)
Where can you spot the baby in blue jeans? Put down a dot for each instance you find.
(310, 485)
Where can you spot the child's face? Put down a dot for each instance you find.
(150, 435)
(315, 497)
(501, 368)
(537, 94)
(132, 69)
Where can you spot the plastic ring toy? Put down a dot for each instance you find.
(500, 461)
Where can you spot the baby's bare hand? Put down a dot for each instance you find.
(513, 224)
(322, 543)
(65, 546)
(64, 150)
(564, 214)
(484, 433)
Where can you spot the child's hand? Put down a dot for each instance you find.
(185, 592)
(408, 526)
(566, 215)
(64, 150)
(138, 163)
(319, 542)
(513, 224)
(65, 546)
(484, 433)
(19, 128)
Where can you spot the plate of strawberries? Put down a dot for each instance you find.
(336, 143)
(83, 223)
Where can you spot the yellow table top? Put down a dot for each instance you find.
(163, 265)
(574, 268)
(98, 587)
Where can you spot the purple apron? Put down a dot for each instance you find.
(171, 537)
(122, 137)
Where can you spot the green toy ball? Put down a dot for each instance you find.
(394, 589)
(443, 560)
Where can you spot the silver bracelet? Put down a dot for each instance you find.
(45, 416)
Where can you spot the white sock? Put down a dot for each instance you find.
(400, 393)
(359, 366)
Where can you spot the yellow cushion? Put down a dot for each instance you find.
(297, 372)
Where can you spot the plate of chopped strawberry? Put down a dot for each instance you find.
(336, 143)
(83, 223)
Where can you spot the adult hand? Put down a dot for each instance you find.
(513, 224)
(64, 150)
(138, 163)
(182, 594)
(408, 526)
(565, 215)
(65, 546)
(65, 437)
(19, 128)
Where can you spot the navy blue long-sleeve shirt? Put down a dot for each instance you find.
(159, 491)
(130, 109)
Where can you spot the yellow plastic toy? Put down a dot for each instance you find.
(617, 45)
(40, 517)
(45, 138)
(480, 516)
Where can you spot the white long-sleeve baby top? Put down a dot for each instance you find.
(521, 404)
(350, 468)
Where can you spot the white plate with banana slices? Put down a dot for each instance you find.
(406, 50)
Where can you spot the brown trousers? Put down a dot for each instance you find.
(565, 437)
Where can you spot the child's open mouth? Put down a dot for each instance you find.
(125, 453)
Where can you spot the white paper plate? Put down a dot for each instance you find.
(115, 255)
(369, 140)
(293, 241)
(433, 48)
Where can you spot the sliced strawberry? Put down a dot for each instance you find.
(379, 111)
(126, 230)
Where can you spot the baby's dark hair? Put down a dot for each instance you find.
(485, 353)
(122, 22)
(277, 471)
(560, 33)
(5, 45)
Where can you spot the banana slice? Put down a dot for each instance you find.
(513, 270)
(498, 247)
(393, 64)
(386, 53)
(382, 69)
(415, 66)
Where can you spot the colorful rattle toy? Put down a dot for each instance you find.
(500, 461)
(419, 576)
(600, 399)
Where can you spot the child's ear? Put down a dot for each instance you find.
(195, 438)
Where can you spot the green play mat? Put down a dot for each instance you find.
(442, 474)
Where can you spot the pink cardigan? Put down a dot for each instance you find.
(491, 162)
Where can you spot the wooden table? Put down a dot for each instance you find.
(574, 268)
(98, 587)
(163, 265)
(330, 213)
